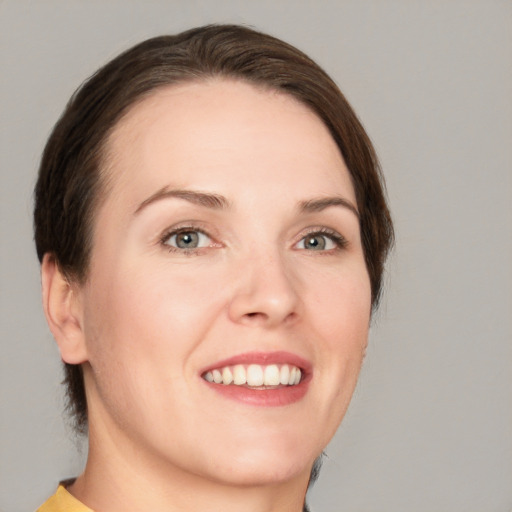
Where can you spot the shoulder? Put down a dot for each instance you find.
(63, 501)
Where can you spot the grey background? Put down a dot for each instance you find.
(430, 427)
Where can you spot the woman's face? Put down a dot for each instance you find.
(228, 244)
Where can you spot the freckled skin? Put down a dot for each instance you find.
(154, 316)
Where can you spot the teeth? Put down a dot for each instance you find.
(255, 375)
(293, 371)
(227, 376)
(284, 375)
(272, 375)
(239, 377)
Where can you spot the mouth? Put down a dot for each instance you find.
(255, 376)
(266, 379)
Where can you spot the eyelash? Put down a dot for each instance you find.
(339, 240)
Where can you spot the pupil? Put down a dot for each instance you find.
(315, 242)
(187, 239)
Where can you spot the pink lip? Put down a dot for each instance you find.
(285, 395)
(280, 357)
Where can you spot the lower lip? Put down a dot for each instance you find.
(285, 395)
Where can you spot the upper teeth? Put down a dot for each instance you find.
(255, 375)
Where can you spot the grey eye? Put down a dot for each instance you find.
(316, 242)
(188, 240)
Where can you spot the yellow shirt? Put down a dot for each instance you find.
(63, 501)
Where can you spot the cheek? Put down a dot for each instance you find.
(341, 322)
(340, 305)
(154, 311)
(342, 302)
(140, 330)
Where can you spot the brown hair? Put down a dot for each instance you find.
(71, 185)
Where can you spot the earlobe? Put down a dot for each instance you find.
(63, 311)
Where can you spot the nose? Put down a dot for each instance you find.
(266, 293)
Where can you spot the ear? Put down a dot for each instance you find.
(63, 310)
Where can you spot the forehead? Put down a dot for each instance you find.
(218, 130)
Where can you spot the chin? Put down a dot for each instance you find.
(255, 474)
(263, 466)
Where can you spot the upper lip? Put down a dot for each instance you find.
(263, 358)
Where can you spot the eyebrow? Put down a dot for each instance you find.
(218, 202)
(213, 201)
(318, 205)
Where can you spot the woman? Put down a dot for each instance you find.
(211, 225)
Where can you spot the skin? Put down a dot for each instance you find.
(151, 316)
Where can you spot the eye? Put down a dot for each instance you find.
(187, 239)
(325, 240)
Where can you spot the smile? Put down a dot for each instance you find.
(265, 379)
(255, 376)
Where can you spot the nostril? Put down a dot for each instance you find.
(256, 315)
